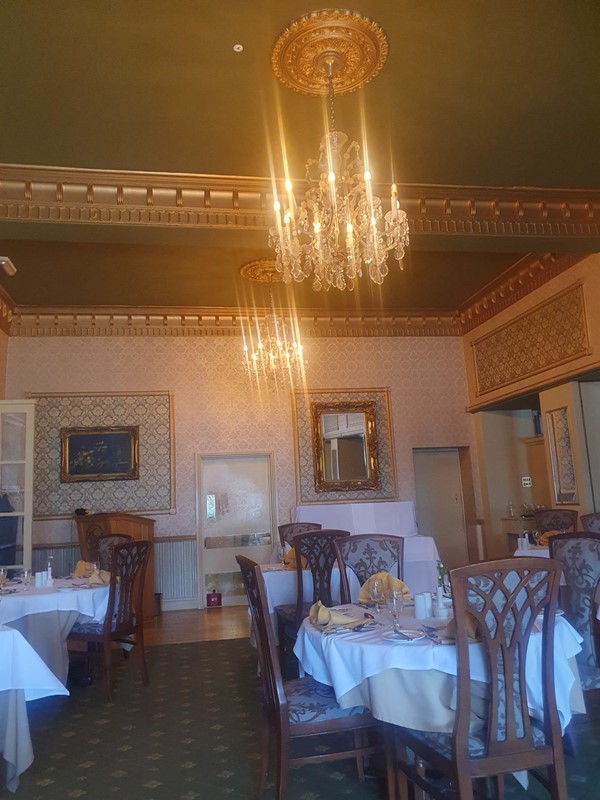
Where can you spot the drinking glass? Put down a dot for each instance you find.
(396, 605)
(376, 592)
(2, 577)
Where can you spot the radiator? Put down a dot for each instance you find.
(175, 567)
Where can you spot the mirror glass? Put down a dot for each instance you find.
(345, 446)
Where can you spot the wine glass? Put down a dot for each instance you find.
(376, 592)
(2, 578)
(26, 578)
(396, 605)
(281, 554)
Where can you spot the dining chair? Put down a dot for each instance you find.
(290, 529)
(302, 707)
(579, 555)
(105, 544)
(503, 601)
(590, 522)
(563, 520)
(368, 553)
(316, 550)
(123, 623)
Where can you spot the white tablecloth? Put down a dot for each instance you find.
(395, 517)
(348, 661)
(23, 676)
(45, 617)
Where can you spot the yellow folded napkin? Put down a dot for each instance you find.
(289, 562)
(389, 582)
(469, 623)
(100, 578)
(83, 569)
(328, 618)
(543, 540)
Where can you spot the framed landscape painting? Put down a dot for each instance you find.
(99, 454)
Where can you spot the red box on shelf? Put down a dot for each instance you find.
(213, 599)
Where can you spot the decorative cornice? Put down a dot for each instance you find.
(160, 322)
(525, 276)
(146, 199)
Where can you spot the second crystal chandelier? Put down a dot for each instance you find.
(338, 229)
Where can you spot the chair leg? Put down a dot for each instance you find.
(359, 741)
(140, 645)
(282, 767)
(390, 763)
(106, 658)
(264, 756)
(557, 780)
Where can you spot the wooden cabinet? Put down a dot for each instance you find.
(91, 526)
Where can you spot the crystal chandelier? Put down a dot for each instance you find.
(273, 353)
(338, 229)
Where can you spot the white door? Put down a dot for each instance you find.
(236, 506)
(439, 503)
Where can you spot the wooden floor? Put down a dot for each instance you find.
(205, 625)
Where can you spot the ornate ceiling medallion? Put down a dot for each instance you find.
(263, 270)
(355, 45)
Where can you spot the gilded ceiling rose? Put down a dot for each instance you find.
(355, 45)
(263, 270)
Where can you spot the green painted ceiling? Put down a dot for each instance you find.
(473, 93)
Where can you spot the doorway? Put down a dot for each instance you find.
(440, 503)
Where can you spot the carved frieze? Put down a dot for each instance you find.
(551, 334)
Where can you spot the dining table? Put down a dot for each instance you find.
(411, 680)
(45, 615)
(24, 677)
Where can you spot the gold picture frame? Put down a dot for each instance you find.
(99, 454)
(366, 470)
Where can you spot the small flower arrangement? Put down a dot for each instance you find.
(442, 574)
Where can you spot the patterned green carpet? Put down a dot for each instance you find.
(193, 735)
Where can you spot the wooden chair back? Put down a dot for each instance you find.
(591, 522)
(504, 598)
(579, 555)
(317, 547)
(104, 546)
(268, 661)
(368, 553)
(127, 574)
(556, 519)
(290, 529)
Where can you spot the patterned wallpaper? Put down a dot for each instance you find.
(216, 412)
(151, 492)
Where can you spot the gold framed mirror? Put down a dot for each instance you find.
(361, 415)
(345, 452)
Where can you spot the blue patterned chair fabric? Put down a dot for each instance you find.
(504, 598)
(591, 522)
(556, 519)
(368, 553)
(579, 555)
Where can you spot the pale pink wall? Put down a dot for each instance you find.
(216, 412)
